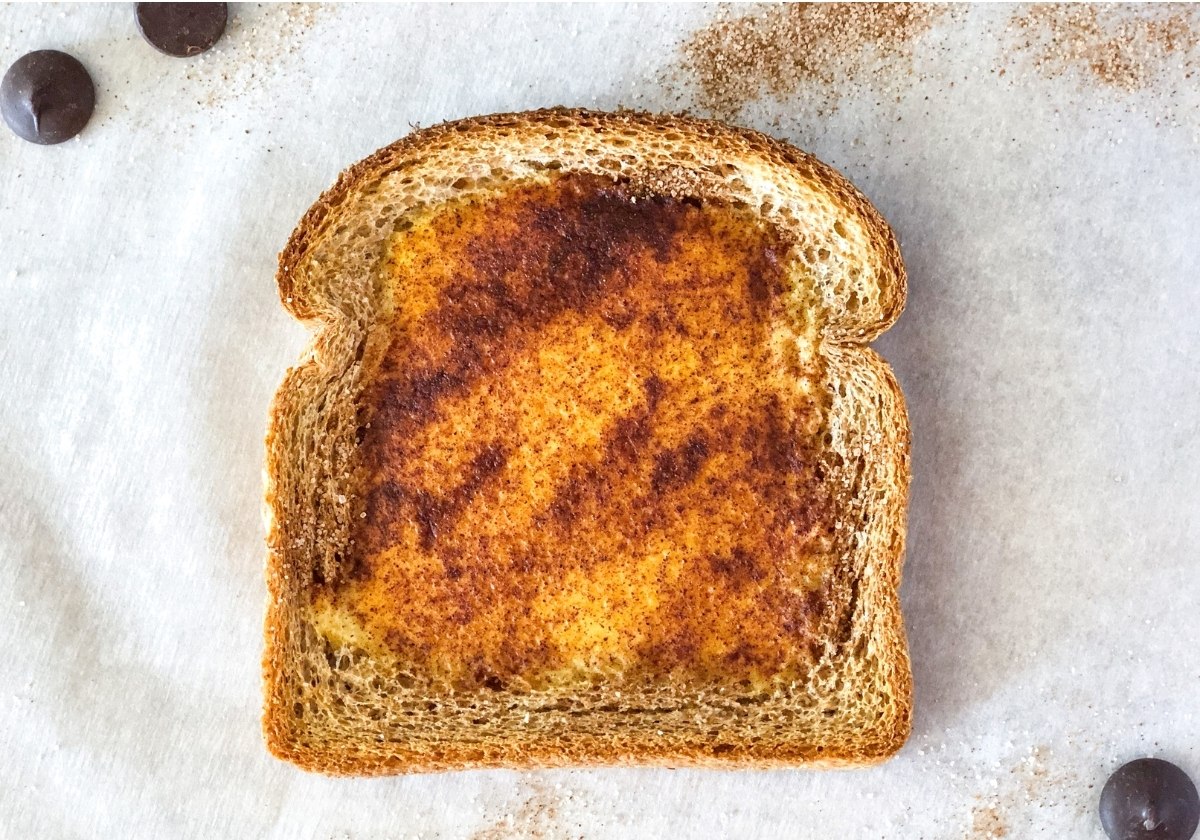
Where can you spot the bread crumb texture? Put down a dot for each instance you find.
(588, 462)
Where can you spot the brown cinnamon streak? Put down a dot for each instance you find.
(578, 450)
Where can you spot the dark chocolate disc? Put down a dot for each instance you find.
(47, 97)
(1149, 799)
(182, 29)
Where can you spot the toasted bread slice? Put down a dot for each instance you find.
(588, 462)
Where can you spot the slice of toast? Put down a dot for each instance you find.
(589, 462)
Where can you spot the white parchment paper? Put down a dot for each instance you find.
(1049, 354)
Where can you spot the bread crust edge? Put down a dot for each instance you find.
(883, 602)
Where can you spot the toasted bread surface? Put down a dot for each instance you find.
(588, 463)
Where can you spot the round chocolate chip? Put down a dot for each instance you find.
(1149, 799)
(182, 29)
(47, 97)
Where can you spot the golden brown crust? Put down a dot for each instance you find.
(594, 754)
(310, 455)
(723, 139)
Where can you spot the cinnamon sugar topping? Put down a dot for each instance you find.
(830, 48)
(1118, 46)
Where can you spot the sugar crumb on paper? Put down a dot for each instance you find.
(810, 58)
(261, 42)
(535, 818)
(1125, 47)
(829, 50)
(1035, 782)
(987, 822)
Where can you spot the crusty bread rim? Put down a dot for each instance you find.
(741, 141)
(883, 447)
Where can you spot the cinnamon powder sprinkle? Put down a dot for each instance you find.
(829, 48)
(987, 823)
(1120, 46)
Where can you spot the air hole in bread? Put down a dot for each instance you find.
(840, 229)
(751, 700)
(298, 710)
(461, 183)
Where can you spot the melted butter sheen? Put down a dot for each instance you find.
(592, 443)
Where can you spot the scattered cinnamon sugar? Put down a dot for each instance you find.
(828, 48)
(535, 819)
(1123, 47)
(261, 42)
(1035, 781)
(987, 822)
